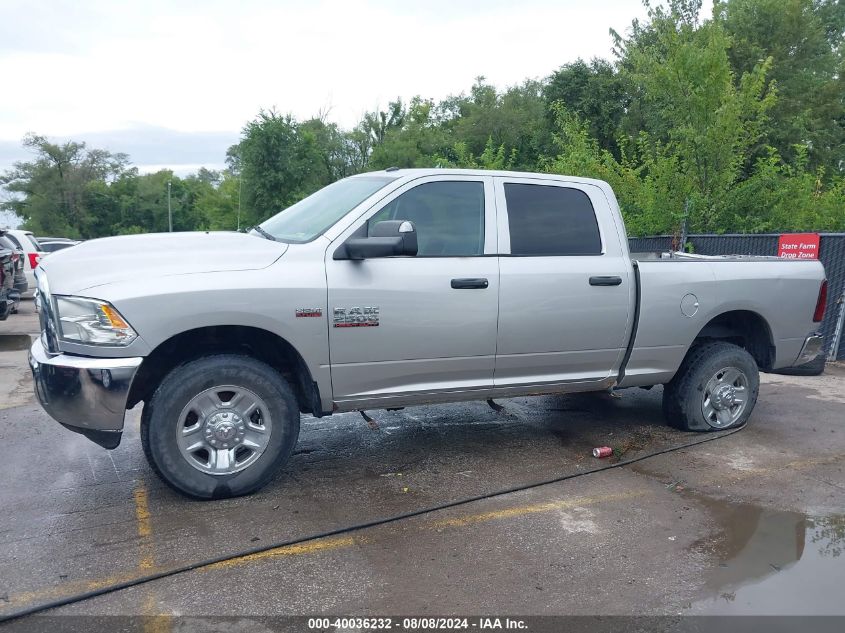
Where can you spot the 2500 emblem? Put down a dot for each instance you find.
(356, 317)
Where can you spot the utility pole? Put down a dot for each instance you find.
(240, 189)
(169, 210)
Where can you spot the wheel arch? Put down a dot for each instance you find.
(745, 328)
(255, 342)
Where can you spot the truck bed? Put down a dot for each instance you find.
(772, 288)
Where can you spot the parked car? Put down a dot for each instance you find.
(399, 288)
(7, 275)
(26, 241)
(19, 282)
(53, 244)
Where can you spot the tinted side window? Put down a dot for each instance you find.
(448, 216)
(547, 220)
(14, 241)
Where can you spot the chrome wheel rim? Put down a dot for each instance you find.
(223, 430)
(725, 397)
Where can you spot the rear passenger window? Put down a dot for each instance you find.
(547, 220)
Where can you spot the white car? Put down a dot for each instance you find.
(53, 244)
(26, 241)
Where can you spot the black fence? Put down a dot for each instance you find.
(831, 254)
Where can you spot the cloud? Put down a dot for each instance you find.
(150, 148)
(151, 70)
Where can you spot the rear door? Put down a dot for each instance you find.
(565, 291)
(402, 327)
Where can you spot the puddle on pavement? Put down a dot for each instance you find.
(772, 562)
(14, 342)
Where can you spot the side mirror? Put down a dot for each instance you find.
(389, 238)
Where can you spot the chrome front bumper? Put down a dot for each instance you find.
(86, 395)
(813, 346)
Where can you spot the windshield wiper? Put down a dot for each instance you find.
(264, 233)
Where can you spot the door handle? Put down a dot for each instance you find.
(605, 281)
(469, 283)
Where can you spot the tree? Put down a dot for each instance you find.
(338, 150)
(700, 112)
(512, 118)
(416, 143)
(279, 163)
(595, 92)
(491, 158)
(56, 189)
(804, 40)
(219, 206)
(737, 120)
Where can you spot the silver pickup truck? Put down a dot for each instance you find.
(399, 288)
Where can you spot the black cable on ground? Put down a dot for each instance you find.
(180, 569)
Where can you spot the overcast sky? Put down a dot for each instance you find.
(172, 83)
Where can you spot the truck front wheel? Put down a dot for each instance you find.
(715, 388)
(220, 426)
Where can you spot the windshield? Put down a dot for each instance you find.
(308, 218)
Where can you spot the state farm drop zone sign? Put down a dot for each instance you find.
(799, 246)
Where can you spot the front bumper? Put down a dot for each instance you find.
(86, 395)
(813, 346)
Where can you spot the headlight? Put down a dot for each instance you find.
(92, 322)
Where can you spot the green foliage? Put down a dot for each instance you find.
(803, 38)
(708, 118)
(649, 186)
(491, 158)
(281, 162)
(513, 119)
(414, 140)
(595, 92)
(734, 122)
(56, 191)
(784, 197)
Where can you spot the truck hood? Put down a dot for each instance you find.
(140, 257)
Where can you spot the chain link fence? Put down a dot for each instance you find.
(831, 254)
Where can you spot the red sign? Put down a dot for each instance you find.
(799, 246)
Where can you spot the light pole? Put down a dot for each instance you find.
(240, 188)
(169, 210)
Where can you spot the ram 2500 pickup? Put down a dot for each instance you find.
(399, 288)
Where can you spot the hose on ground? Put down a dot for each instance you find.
(186, 567)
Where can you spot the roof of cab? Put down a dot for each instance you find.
(413, 173)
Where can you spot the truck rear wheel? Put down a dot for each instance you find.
(220, 426)
(715, 388)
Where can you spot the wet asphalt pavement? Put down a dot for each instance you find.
(750, 523)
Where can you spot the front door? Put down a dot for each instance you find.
(401, 327)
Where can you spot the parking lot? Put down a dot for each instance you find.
(749, 523)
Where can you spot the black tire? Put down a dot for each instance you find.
(160, 419)
(684, 395)
(813, 368)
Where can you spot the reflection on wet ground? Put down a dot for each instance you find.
(772, 562)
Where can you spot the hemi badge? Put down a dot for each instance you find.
(309, 312)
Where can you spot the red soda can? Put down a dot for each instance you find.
(602, 451)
